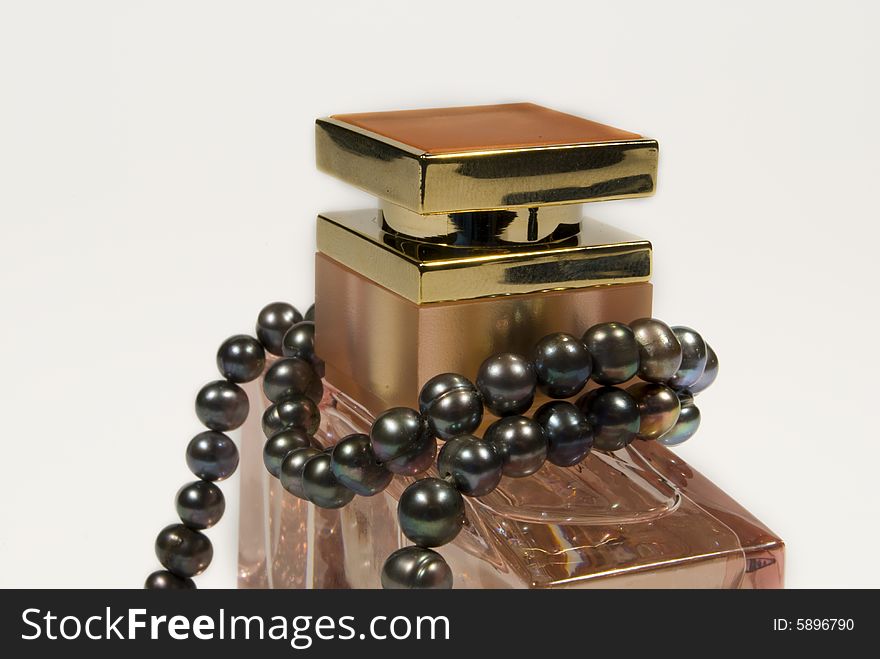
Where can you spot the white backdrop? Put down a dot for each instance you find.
(157, 186)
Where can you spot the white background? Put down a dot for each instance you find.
(157, 186)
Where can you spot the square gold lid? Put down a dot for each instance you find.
(485, 157)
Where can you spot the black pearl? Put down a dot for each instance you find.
(451, 404)
(402, 441)
(569, 436)
(320, 485)
(222, 405)
(693, 358)
(200, 504)
(271, 422)
(613, 415)
(562, 364)
(292, 468)
(507, 382)
(688, 422)
(273, 321)
(241, 358)
(356, 466)
(521, 444)
(659, 349)
(299, 342)
(310, 313)
(614, 351)
(183, 551)
(473, 464)
(280, 444)
(658, 408)
(299, 412)
(431, 512)
(416, 568)
(709, 373)
(292, 376)
(212, 456)
(164, 580)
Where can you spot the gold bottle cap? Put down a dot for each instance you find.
(482, 158)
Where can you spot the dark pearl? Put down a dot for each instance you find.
(222, 405)
(659, 349)
(241, 358)
(355, 465)
(416, 568)
(431, 512)
(521, 444)
(658, 408)
(299, 342)
(451, 404)
(183, 551)
(200, 504)
(693, 358)
(310, 313)
(562, 364)
(292, 376)
(274, 320)
(292, 468)
(271, 422)
(507, 382)
(212, 456)
(688, 422)
(299, 412)
(709, 373)
(320, 485)
(164, 580)
(473, 464)
(280, 444)
(402, 441)
(613, 415)
(569, 436)
(615, 352)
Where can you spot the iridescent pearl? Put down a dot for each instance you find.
(709, 373)
(280, 444)
(183, 551)
(299, 342)
(290, 376)
(356, 466)
(292, 468)
(659, 349)
(613, 415)
(273, 321)
(451, 404)
(402, 441)
(241, 358)
(614, 351)
(200, 504)
(299, 412)
(687, 424)
(562, 364)
(212, 456)
(693, 358)
(164, 580)
(507, 381)
(520, 442)
(320, 485)
(472, 463)
(569, 436)
(416, 567)
(431, 512)
(222, 405)
(658, 408)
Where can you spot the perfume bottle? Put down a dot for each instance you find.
(479, 245)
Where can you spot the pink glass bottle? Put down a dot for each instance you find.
(479, 246)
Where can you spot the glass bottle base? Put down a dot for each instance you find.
(638, 518)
